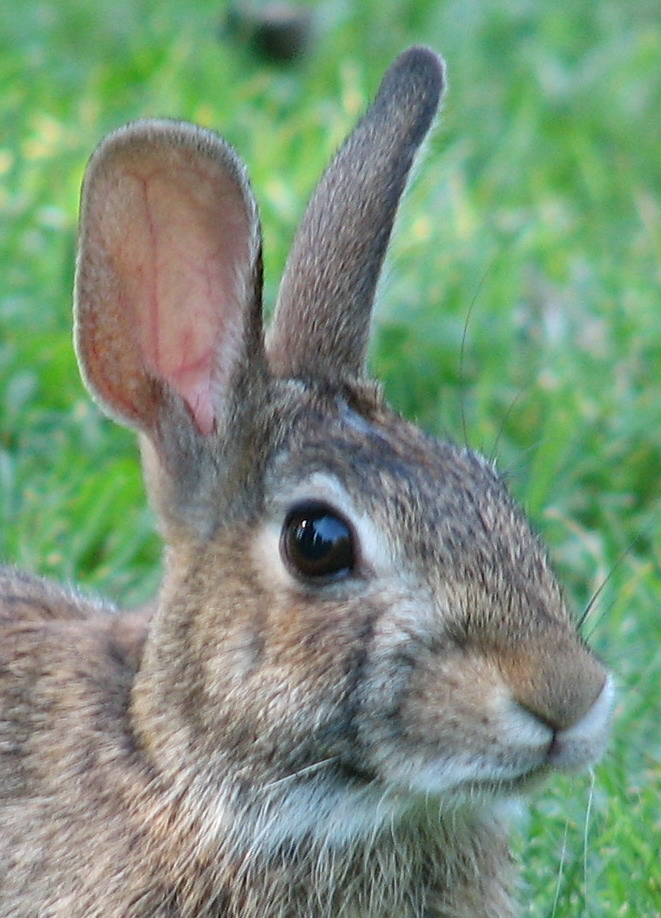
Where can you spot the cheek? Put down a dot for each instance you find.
(453, 704)
(431, 711)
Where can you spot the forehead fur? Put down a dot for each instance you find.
(444, 507)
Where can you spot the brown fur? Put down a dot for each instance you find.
(258, 744)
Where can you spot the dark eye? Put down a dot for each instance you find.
(317, 543)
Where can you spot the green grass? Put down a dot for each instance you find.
(533, 228)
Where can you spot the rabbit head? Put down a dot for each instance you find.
(355, 617)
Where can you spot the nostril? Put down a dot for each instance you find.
(555, 746)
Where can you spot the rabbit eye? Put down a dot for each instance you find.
(317, 543)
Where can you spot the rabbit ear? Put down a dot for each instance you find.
(168, 280)
(321, 324)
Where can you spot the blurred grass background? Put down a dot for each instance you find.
(520, 311)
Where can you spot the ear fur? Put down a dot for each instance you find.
(168, 281)
(322, 320)
(168, 320)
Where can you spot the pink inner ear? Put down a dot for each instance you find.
(181, 247)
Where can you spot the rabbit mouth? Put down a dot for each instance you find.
(486, 791)
(357, 778)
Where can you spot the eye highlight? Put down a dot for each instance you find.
(316, 543)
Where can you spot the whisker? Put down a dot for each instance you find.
(306, 769)
(605, 581)
(464, 335)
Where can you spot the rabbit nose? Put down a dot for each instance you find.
(581, 743)
(559, 685)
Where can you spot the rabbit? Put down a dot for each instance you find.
(359, 656)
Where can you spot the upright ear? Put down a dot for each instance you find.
(168, 280)
(322, 320)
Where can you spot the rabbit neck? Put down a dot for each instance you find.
(428, 866)
(425, 867)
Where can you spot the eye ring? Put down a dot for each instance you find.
(317, 543)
